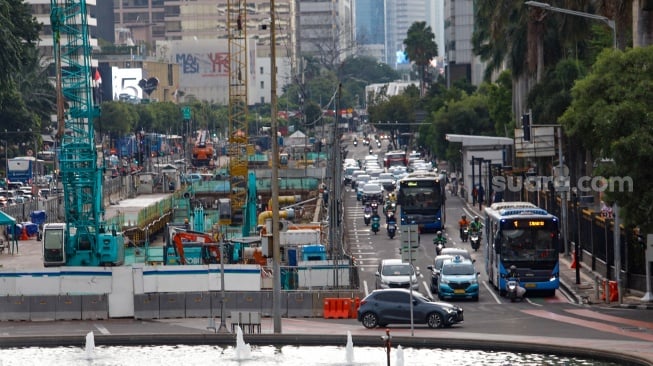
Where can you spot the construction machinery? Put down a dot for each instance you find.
(190, 247)
(202, 150)
(84, 239)
(238, 140)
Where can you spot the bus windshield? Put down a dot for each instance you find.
(528, 245)
(416, 198)
(18, 165)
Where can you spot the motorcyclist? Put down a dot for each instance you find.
(439, 238)
(512, 273)
(476, 225)
(463, 223)
(367, 209)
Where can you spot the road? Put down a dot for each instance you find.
(553, 316)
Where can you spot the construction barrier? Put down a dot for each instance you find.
(336, 308)
(612, 288)
(353, 311)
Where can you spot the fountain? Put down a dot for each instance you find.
(399, 360)
(243, 350)
(90, 345)
(349, 350)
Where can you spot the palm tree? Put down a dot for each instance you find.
(421, 49)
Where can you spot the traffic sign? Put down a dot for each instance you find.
(186, 112)
(408, 256)
(410, 236)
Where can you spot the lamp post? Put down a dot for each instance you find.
(611, 24)
(606, 20)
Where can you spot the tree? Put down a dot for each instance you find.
(18, 36)
(118, 118)
(611, 113)
(421, 49)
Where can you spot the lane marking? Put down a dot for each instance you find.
(610, 318)
(589, 324)
(490, 290)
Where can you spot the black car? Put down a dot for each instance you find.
(392, 306)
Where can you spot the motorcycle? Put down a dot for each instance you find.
(392, 229)
(475, 240)
(465, 234)
(375, 224)
(370, 150)
(367, 217)
(512, 287)
(355, 143)
(439, 245)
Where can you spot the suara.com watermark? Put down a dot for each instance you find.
(584, 184)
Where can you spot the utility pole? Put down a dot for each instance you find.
(276, 252)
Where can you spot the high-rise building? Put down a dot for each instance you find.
(369, 20)
(459, 27)
(325, 30)
(399, 16)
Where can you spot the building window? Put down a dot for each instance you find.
(261, 70)
(262, 85)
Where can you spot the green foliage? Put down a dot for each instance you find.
(611, 113)
(550, 98)
(500, 109)
(19, 32)
(118, 118)
(420, 47)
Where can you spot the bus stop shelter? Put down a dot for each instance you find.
(479, 154)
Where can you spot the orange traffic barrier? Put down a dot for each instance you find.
(612, 287)
(336, 308)
(354, 308)
(574, 263)
(23, 235)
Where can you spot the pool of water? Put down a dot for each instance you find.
(273, 355)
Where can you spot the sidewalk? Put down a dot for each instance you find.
(587, 292)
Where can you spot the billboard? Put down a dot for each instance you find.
(204, 67)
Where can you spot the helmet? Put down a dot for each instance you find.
(464, 216)
(513, 267)
(476, 218)
(439, 233)
(185, 221)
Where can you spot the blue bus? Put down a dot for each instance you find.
(421, 200)
(25, 169)
(524, 235)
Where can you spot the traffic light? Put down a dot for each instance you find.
(526, 125)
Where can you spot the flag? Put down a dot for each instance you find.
(97, 78)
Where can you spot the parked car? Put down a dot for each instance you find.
(458, 280)
(191, 178)
(392, 306)
(393, 273)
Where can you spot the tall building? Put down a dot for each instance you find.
(399, 16)
(369, 20)
(325, 29)
(459, 27)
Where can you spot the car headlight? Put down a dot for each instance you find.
(474, 281)
(444, 280)
(450, 310)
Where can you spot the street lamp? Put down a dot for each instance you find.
(606, 20)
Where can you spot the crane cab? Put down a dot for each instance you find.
(54, 249)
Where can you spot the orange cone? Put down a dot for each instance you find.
(23, 235)
(573, 263)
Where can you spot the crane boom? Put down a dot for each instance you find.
(238, 148)
(82, 240)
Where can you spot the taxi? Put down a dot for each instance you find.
(458, 279)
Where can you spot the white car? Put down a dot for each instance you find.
(394, 273)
